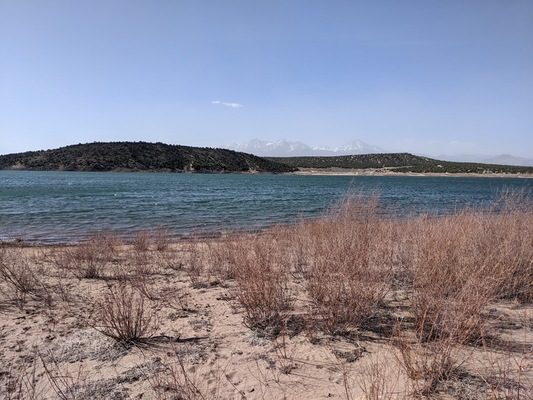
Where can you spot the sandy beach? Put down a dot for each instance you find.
(199, 347)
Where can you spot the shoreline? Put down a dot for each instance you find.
(387, 172)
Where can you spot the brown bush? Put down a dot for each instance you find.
(222, 256)
(347, 271)
(177, 377)
(162, 239)
(463, 262)
(512, 227)
(195, 262)
(141, 241)
(19, 278)
(426, 364)
(262, 276)
(89, 258)
(126, 315)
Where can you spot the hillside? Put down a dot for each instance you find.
(139, 156)
(397, 162)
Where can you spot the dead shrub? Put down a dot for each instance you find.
(142, 283)
(143, 262)
(19, 277)
(21, 382)
(178, 378)
(347, 271)
(455, 272)
(223, 255)
(139, 255)
(170, 258)
(125, 315)
(84, 261)
(162, 239)
(512, 228)
(89, 258)
(380, 380)
(262, 276)
(140, 270)
(463, 262)
(426, 364)
(142, 241)
(195, 262)
(108, 241)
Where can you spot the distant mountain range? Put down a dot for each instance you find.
(284, 148)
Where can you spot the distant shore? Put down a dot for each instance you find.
(388, 172)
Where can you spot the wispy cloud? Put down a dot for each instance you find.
(231, 105)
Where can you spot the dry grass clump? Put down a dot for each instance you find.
(194, 262)
(213, 262)
(263, 285)
(224, 255)
(463, 262)
(512, 228)
(162, 239)
(343, 261)
(126, 315)
(89, 258)
(141, 241)
(347, 274)
(426, 364)
(459, 265)
(175, 379)
(19, 279)
(451, 284)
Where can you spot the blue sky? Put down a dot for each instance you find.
(428, 76)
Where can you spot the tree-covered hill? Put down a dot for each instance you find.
(397, 162)
(139, 156)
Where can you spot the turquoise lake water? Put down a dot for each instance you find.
(58, 207)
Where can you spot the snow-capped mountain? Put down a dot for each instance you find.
(284, 148)
(358, 147)
(273, 149)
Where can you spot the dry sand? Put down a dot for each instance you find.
(201, 348)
